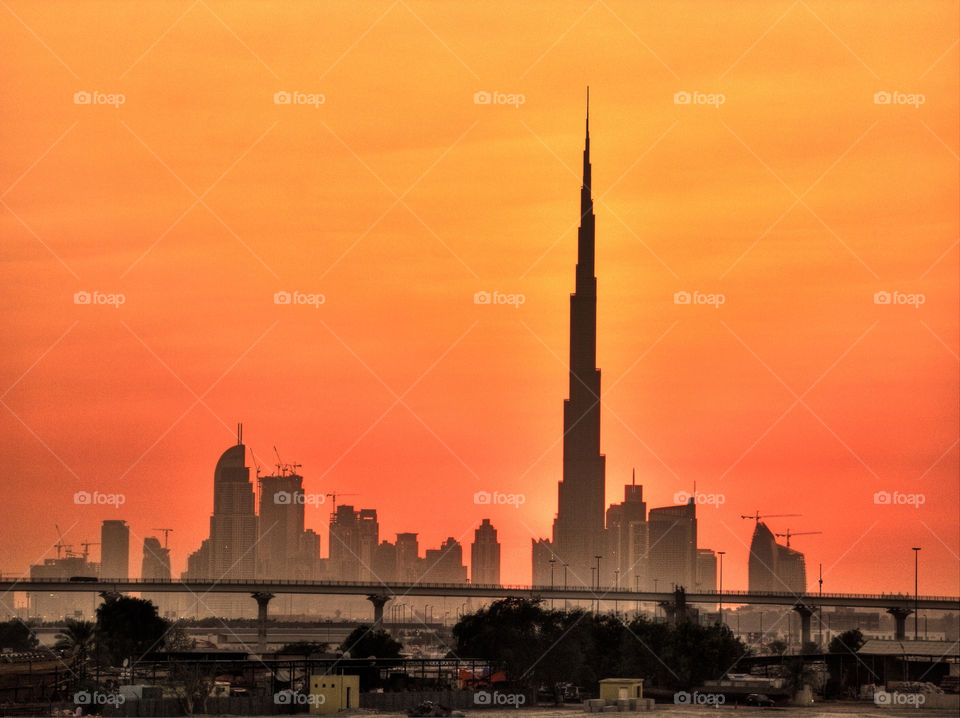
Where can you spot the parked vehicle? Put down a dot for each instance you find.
(758, 699)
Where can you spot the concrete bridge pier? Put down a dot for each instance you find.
(900, 614)
(805, 612)
(379, 600)
(263, 599)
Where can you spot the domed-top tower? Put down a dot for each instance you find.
(233, 525)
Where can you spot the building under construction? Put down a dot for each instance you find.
(774, 567)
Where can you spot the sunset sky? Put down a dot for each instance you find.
(398, 198)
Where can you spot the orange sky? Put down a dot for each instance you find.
(198, 198)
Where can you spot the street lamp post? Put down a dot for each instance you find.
(553, 561)
(820, 608)
(597, 602)
(616, 586)
(565, 604)
(720, 554)
(916, 602)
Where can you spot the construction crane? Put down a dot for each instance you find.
(333, 508)
(283, 468)
(756, 517)
(789, 533)
(86, 547)
(166, 535)
(60, 545)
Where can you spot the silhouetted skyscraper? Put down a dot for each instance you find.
(409, 563)
(385, 562)
(792, 569)
(762, 566)
(156, 560)
(281, 525)
(706, 570)
(156, 565)
(115, 549)
(672, 557)
(354, 536)
(578, 530)
(626, 538)
(774, 567)
(233, 525)
(445, 564)
(485, 555)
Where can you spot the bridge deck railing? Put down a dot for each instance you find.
(519, 588)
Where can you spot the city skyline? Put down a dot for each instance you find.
(402, 389)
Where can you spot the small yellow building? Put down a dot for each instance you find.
(332, 694)
(614, 689)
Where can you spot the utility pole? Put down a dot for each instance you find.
(820, 608)
(916, 602)
(720, 554)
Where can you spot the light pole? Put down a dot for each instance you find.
(916, 603)
(720, 554)
(565, 604)
(597, 602)
(553, 561)
(616, 586)
(820, 608)
(636, 581)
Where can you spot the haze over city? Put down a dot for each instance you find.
(409, 163)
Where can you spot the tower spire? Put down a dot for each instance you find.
(578, 530)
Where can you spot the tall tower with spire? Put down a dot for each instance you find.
(578, 530)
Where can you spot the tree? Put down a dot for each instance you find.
(128, 628)
(537, 646)
(192, 684)
(510, 632)
(778, 647)
(17, 636)
(847, 642)
(364, 642)
(177, 639)
(76, 638)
